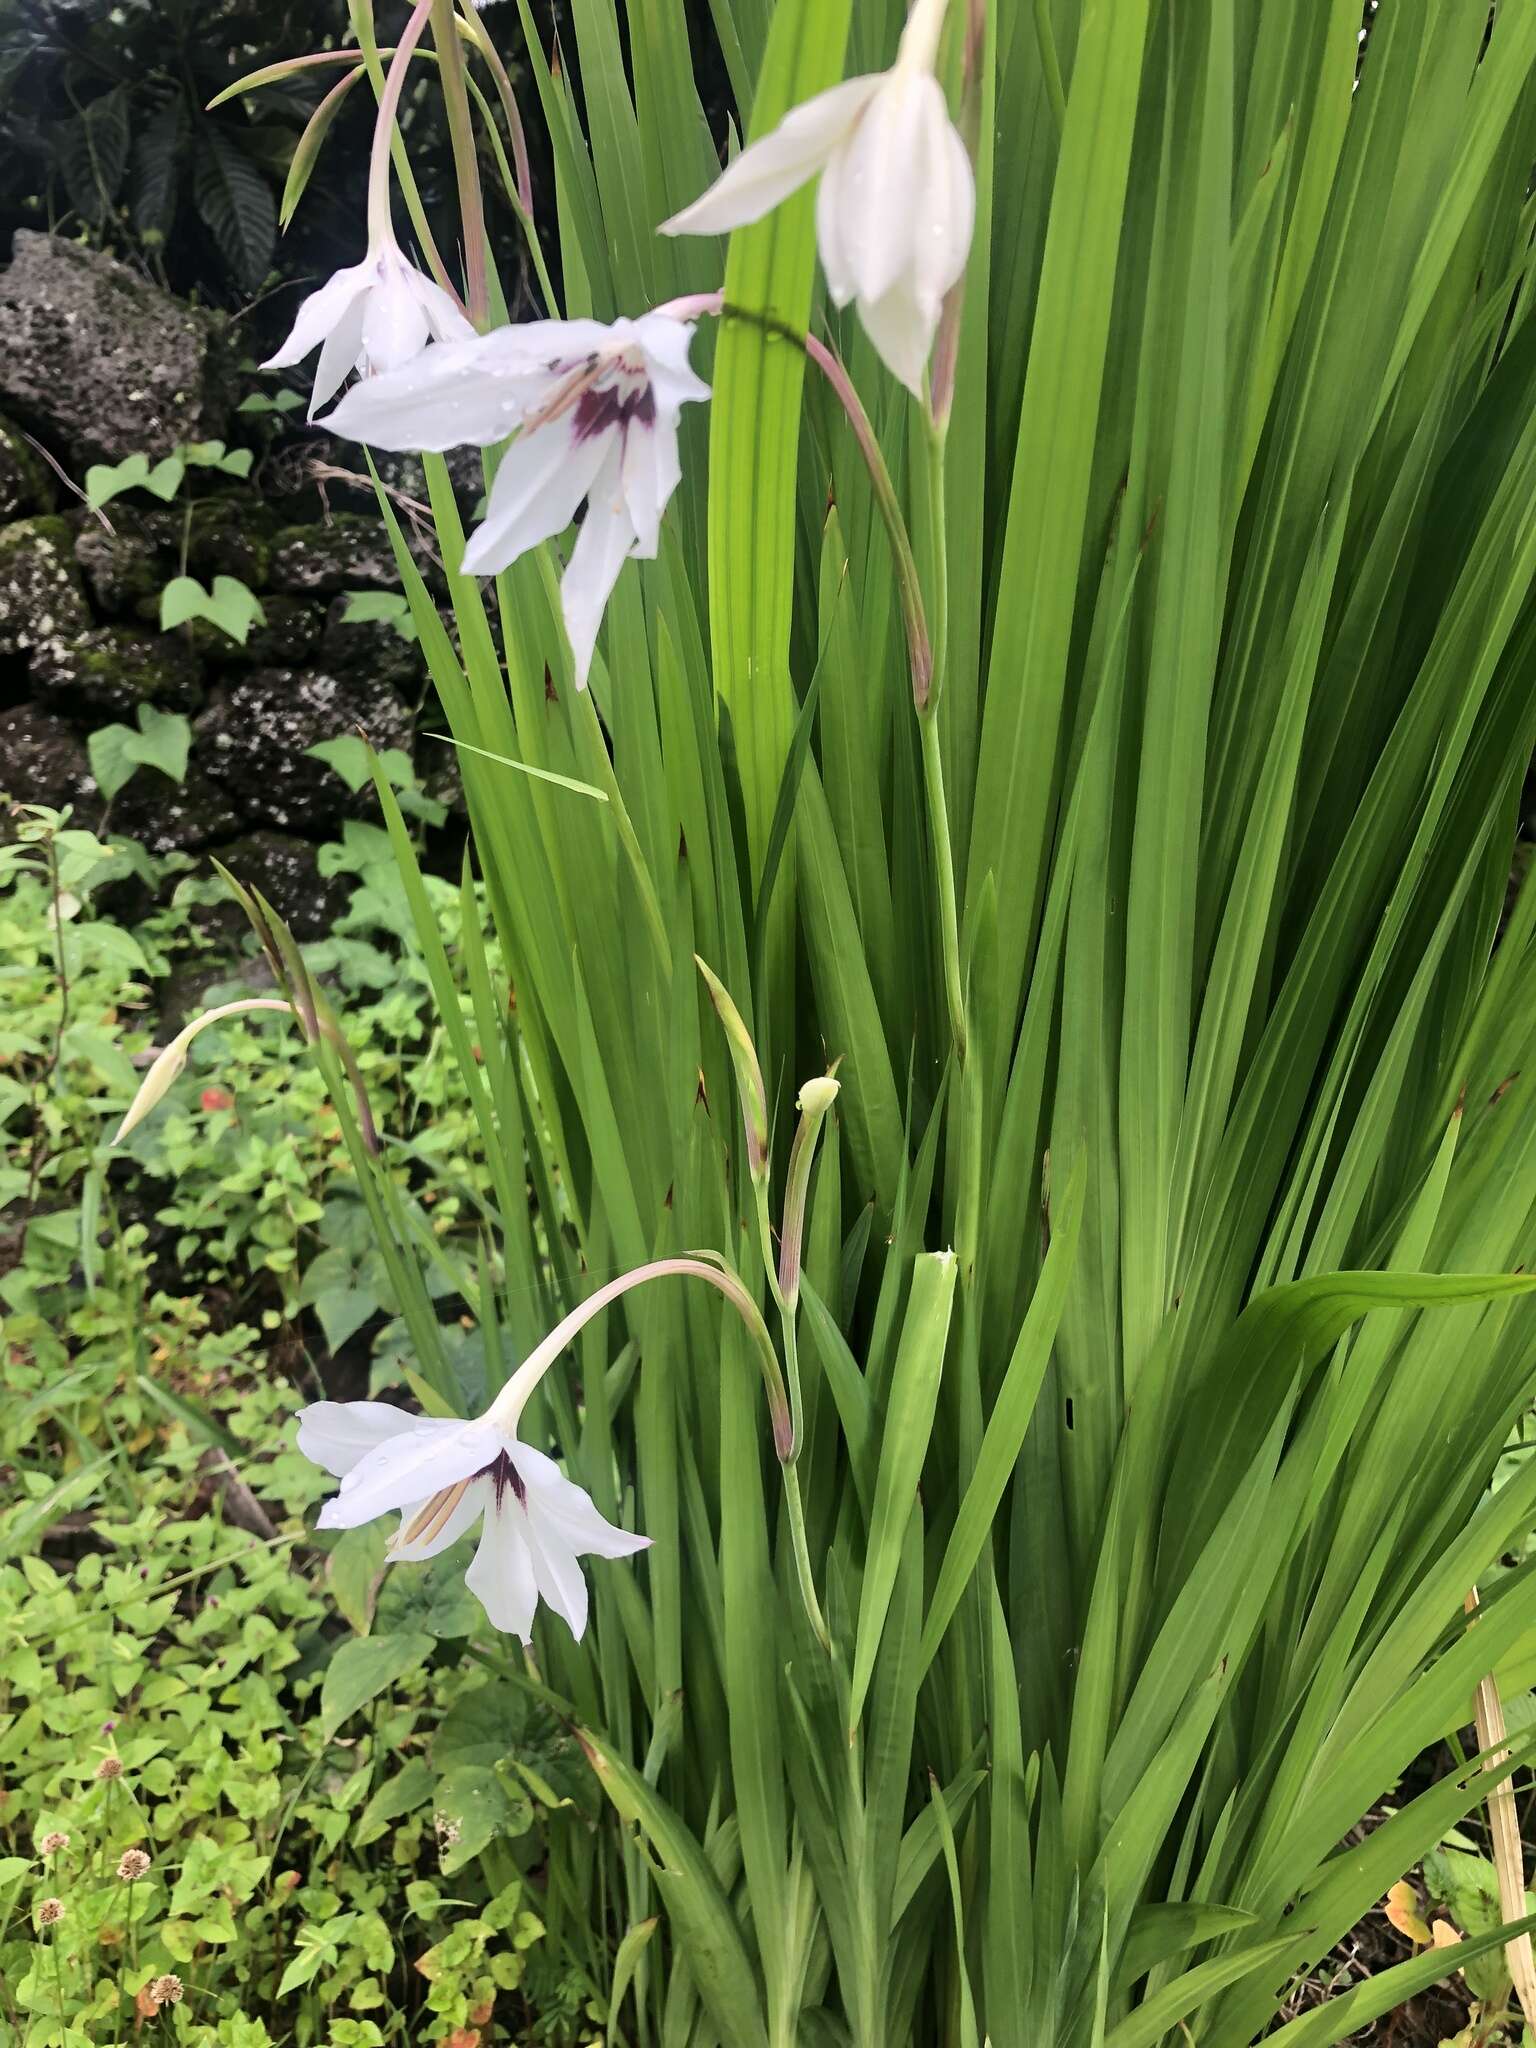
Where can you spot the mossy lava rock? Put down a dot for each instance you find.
(26, 484)
(43, 611)
(116, 669)
(102, 363)
(255, 741)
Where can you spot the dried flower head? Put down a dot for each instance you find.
(50, 1912)
(166, 1990)
(133, 1865)
(54, 1843)
(110, 1767)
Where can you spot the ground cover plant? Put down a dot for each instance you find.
(1004, 1178)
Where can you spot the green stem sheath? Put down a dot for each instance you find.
(450, 58)
(601, 769)
(944, 859)
(802, 1555)
(1050, 63)
(928, 728)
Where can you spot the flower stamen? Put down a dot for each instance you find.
(433, 1518)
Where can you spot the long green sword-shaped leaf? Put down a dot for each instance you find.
(909, 1416)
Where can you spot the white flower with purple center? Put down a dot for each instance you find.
(444, 1476)
(595, 408)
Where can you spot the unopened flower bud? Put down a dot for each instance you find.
(749, 1073)
(816, 1098)
(170, 1061)
(132, 1865)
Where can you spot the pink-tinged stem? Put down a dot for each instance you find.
(946, 353)
(693, 305)
(513, 1398)
(908, 583)
(919, 646)
(379, 224)
(479, 35)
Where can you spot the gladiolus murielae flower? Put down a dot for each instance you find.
(897, 201)
(443, 1475)
(597, 408)
(380, 313)
(373, 317)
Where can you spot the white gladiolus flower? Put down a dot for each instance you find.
(374, 317)
(443, 1477)
(897, 202)
(597, 411)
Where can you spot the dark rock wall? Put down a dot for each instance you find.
(97, 364)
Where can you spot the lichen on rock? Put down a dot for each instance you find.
(43, 762)
(101, 361)
(254, 739)
(117, 668)
(26, 483)
(347, 552)
(43, 611)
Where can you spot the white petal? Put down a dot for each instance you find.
(542, 479)
(337, 1434)
(649, 473)
(341, 355)
(666, 343)
(555, 1571)
(879, 184)
(902, 332)
(767, 171)
(946, 210)
(501, 1575)
(454, 393)
(606, 537)
(560, 1504)
(462, 1517)
(561, 344)
(320, 313)
(395, 329)
(410, 1467)
(831, 207)
(444, 317)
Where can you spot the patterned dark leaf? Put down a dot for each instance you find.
(157, 161)
(93, 154)
(236, 202)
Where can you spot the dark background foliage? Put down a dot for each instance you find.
(105, 134)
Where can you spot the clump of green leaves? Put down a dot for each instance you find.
(311, 1826)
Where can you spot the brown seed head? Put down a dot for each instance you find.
(50, 1912)
(110, 1767)
(166, 1990)
(133, 1865)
